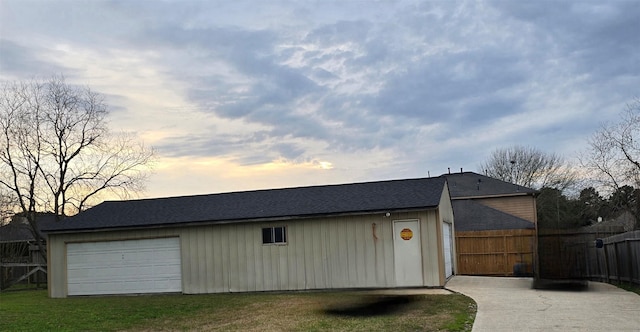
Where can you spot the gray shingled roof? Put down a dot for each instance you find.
(260, 204)
(20, 231)
(470, 184)
(16, 232)
(472, 216)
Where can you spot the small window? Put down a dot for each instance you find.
(274, 235)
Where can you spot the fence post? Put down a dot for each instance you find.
(616, 252)
(598, 267)
(630, 261)
(505, 267)
(606, 262)
(586, 260)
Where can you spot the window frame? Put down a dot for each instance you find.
(273, 236)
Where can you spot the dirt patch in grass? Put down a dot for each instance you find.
(373, 306)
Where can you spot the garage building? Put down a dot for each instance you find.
(362, 235)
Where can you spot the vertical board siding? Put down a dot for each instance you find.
(56, 267)
(370, 255)
(251, 262)
(519, 206)
(298, 247)
(232, 259)
(211, 272)
(352, 254)
(218, 263)
(202, 268)
(431, 249)
(445, 211)
(337, 252)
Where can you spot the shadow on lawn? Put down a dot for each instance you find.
(373, 306)
(569, 285)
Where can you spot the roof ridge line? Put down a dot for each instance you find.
(276, 189)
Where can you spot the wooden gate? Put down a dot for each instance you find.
(496, 252)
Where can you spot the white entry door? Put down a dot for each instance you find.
(448, 249)
(407, 253)
(124, 267)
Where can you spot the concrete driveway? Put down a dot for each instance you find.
(510, 304)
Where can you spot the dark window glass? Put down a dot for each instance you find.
(267, 236)
(274, 235)
(279, 232)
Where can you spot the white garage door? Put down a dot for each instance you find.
(448, 252)
(124, 267)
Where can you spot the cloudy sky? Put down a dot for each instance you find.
(239, 95)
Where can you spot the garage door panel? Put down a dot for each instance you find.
(448, 252)
(121, 267)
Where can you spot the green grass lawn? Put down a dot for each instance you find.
(630, 287)
(295, 311)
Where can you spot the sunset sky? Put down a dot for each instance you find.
(241, 95)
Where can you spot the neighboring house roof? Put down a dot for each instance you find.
(15, 232)
(369, 197)
(625, 221)
(19, 230)
(473, 216)
(473, 185)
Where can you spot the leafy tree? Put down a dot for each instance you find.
(624, 198)
(555, 210)
(57, 153)
(591, 205)
(529, 167)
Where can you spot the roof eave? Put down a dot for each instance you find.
(494, 196)
(238, 221)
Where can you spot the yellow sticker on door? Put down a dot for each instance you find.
(406, 234)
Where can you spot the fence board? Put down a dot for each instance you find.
(622, 260)
(496, 252)
(565, 253)
(572, 254)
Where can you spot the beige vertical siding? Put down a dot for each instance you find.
(445, 212)
(339, 252)
(520, 206)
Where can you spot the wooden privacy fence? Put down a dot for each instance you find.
(562, 252)
(618, 260)
(572, 254)
(496, 252)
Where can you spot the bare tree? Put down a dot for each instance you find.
(7, 204)
(20, 149)
(613, 156)
(56, 152)
(529, 167)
